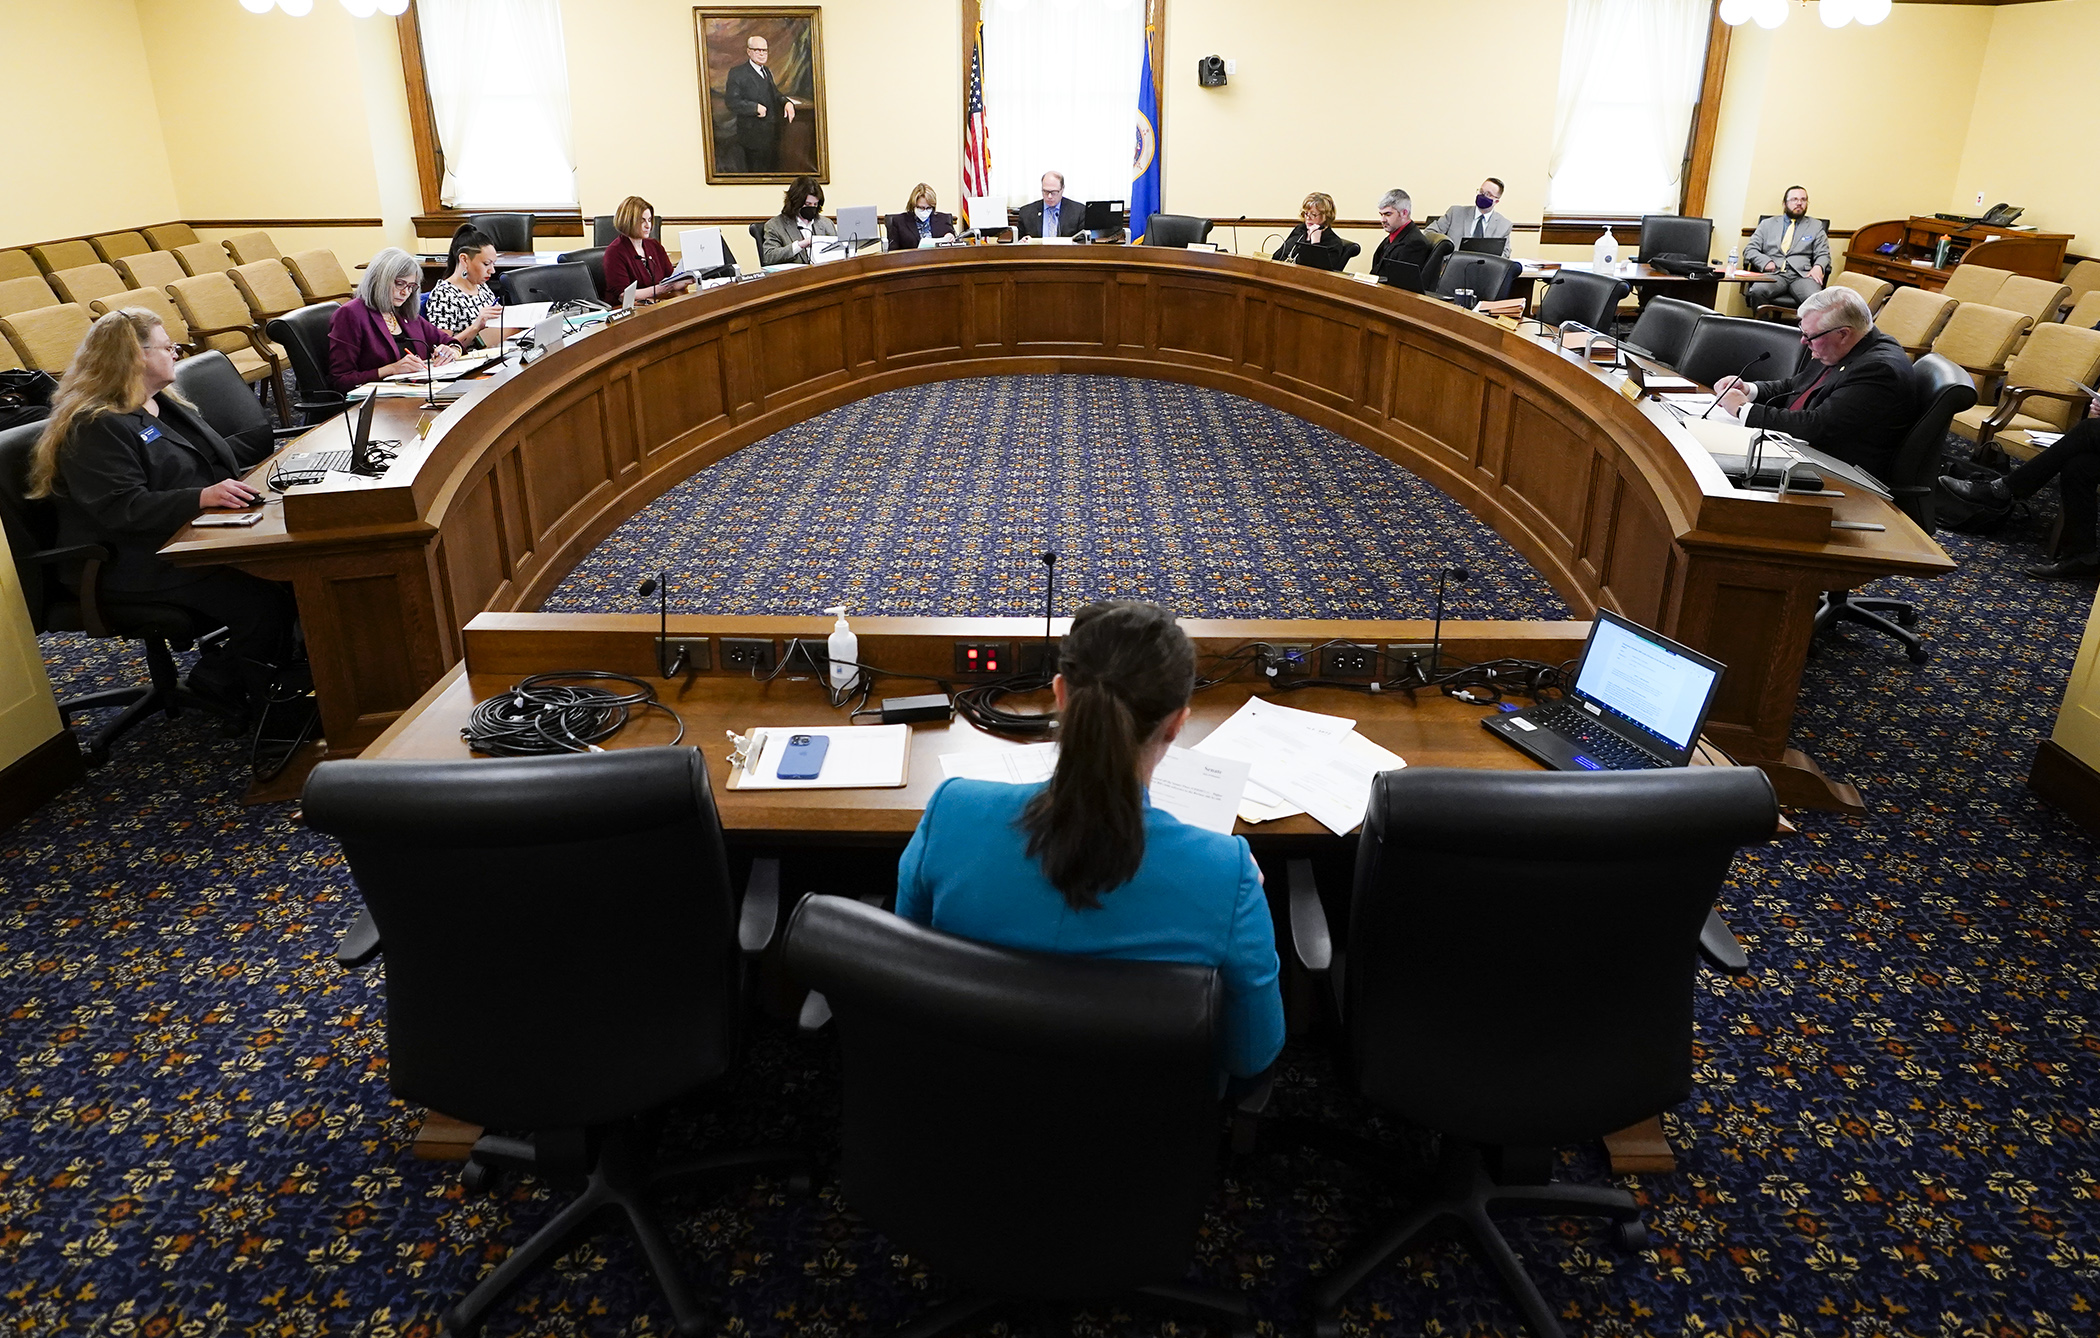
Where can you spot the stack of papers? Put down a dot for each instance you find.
(1200, 791)
(1301, 762)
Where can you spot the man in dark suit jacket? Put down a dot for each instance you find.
(1849, 396)
(760, 107)
(1069, 215)
(1404, 239)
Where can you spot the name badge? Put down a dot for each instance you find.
(149, 433)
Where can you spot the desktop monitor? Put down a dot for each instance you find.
(1107, 216)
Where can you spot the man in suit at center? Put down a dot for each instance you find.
(1791, 247)
(1404, 242)
(1478, 219)
(760, 107)
(1053, 215)
(1850, 396)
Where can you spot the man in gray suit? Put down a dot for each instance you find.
(1791, 247)
(1477, 219)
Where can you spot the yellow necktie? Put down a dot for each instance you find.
(1786, 239)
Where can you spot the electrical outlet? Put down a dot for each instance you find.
(1294, 661)
(1032, 655)
(1232, 66)
(1347, 661)
(986, 659)
(752, 654)
(695, 648)
(1979, 199)
(1398, 655)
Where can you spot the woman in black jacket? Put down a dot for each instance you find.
(1314, 241)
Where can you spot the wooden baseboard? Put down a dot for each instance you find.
(37, 775)
(2064, 782)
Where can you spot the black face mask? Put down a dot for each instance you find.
(809, 213)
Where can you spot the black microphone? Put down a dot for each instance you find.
(1049, 665)
(1739, 376)
(656, 585)
(1436, 640)
(1472, 265)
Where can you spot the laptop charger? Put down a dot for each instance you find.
(906, 710)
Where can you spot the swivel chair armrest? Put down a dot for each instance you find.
(1309, 936)
(761, 913)
(89, 559)
(67, 556)
(257, 340)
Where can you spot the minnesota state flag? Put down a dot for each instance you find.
(1144, 167)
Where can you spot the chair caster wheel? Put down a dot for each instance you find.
(478, 1176)
(1327, 1326)
(1632, 1237)
(1906, 617)
(1919, 656)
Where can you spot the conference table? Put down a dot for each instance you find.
(1647, 280)
(1614, 503)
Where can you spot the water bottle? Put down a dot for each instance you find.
(1730, 263)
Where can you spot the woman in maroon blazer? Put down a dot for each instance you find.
(635, 256)
(377, 333)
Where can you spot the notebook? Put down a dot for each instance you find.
(1637, 703)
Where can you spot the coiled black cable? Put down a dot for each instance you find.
(555, 713)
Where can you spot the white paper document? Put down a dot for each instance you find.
(1265, 735)
(858, 758)
(1334, 785)
(1200, 791)
(1008, 766)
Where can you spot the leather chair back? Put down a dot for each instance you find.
(211, 382)
(560, 932)
(1578, 295)
(603, 233)
(553, 283)
(1488, 276)
(510, 232)
(1440, 252)
(593, 260)
(1175, 229)
(1031, 1124)
(1552, 1002)
(1672, 234)
(1721, 345)
(1665, 328)
(1942, 389)
(303, 334)
(31, 526)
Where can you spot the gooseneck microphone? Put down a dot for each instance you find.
(1739, 376)
(656, 585)
(1436, 640)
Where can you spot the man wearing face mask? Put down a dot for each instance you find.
(920, 221)
(1478, 219)
(792, 237)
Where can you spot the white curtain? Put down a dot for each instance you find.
(1629, 78)
(1060, 93)
(499, 90)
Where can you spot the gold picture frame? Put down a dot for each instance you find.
(751, 148)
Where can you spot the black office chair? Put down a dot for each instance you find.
(517, 1002)
(1785, 306)
(593, 261)
(1578, 295)
(1488, 276)
(1176, 229)
(758, 242)
(510, 232)
(1665, 328)
(303, 334)
(1550, 1004)
(603, 233)
(1940, 389)
(553, 283)
(1440, 249)
(1727, 345)
(1036, 1127)
(209, 381)
(62, 588)
(1673, 234)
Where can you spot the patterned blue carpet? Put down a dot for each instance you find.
(1893, 1131)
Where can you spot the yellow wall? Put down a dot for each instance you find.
(2032, 125)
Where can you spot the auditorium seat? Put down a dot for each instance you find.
(151, 269)
(2082, 278)
(319, 275)
(154, 300)
(18, 265)
(113, 246)
(219, 318)
(10, 361)
(1872, 291)
(47, 337)
(1913, 318)
(2040, 391)
(248, 247)
(2085, 312)
(86, 283)
(1975, 283)
(54, 256)
(2037, 299)
(204, 258)
(267, 287)
(168, 236)
(1979, 339)
(28, 293)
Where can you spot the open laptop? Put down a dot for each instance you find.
(354, 459)
(1401, 274)
(1106, 218)
(1320, 257)
(1487, 246)
(1637, 703)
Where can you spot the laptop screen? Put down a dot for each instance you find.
(1647, 680)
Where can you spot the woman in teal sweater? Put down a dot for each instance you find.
(1083, 863)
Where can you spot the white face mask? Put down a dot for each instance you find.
(923, 214)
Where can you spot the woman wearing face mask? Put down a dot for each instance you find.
(791, 238)
(919, 222)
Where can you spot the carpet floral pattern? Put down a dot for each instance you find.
(1892, 1131)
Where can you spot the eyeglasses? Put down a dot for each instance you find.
(1808, 338)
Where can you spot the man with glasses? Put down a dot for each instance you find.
(1849, 395)
(1053, 215)
(760, 107)
(1791, 247)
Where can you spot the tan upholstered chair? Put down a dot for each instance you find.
(25, 294)
(156, 301)
(2041, 390)
(249, 247)
(204, 258)
(2083, 278)
(267, 288)
(219, 318)
(87, 283)
(10, 361)
(1975, 283)
(113, 246)
(2037, 299)
(151, 269)
(168, 236)
(56, 256)
(46, 338)
(320, 276)
(1913, 317)
(1980, 339)
(18, 265)
(2085, 312)
(1871, 290)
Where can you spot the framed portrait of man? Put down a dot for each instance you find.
(762, 94)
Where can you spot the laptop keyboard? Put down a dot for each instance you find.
(1579, 726)
(316, 462)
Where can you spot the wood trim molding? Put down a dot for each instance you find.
(34, 777)
(286, 222)
(545, 223)
(2066, 783)
(422, 121)
(1706, 119)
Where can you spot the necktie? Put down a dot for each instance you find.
(1480, 224)
(1802, 398)
(1786, 239)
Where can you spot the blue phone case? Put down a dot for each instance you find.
(804, 757)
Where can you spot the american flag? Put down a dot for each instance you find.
(977, 147)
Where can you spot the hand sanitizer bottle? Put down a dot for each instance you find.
(844, 650)
(1605, 253)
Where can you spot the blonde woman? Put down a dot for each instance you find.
(636, 257)
(130, 463)
(920, 221)
(1314, 241)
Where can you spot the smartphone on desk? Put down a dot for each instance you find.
(214, 519)
(804, 757)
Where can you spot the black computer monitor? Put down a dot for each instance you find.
(1402, 274)
(1320, 257)
(1107, 216)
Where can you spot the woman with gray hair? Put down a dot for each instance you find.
(377, 332)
